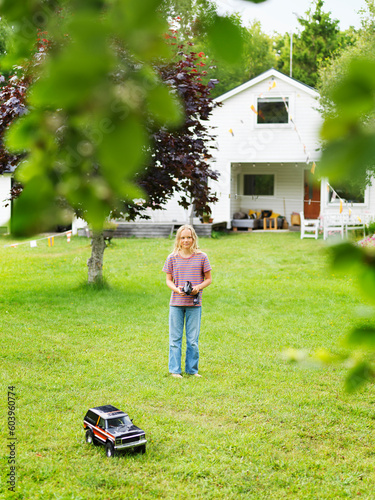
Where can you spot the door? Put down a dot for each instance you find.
(311, 201)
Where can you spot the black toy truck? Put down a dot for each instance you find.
(113, 428)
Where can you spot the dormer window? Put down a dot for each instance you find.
(272, 110)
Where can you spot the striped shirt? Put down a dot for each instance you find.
(182, 270)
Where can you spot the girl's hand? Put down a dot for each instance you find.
(180, 292)
(195, 290)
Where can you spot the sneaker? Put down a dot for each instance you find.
(176, 375)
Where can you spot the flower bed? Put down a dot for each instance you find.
(368, 242)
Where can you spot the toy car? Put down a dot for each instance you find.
(113, 428)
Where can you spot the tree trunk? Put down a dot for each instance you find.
(191, 215)
(95, 262)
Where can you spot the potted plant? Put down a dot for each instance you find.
(207, 219)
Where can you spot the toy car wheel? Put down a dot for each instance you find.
(109, 449)
(141, 449)
(89, 437)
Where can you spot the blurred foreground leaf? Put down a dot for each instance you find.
(355, 95)
(349, 150)
(359, 376)
(346, 257)
(225, 40)
(325, 357)
(362, 337)
(164, 106)
(350, 258)
(35, 215)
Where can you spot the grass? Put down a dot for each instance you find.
(254, 427)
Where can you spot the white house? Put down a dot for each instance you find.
(267, 139)
(268, 145)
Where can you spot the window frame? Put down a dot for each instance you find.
(268, 196)
(278, 98)
(336, 202)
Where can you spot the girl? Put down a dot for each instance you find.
(186, 263)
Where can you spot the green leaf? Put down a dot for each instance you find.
(96, 210)
(344, 157)
(366, 279)
(22, 48)
(346, 257)
(14, 10)
(23, 133)
(141, 29)
(335, 128)
(81, 69)
(225, 40)
(122, 152)
(29, 168)
(362, 337)
(355, 94)
(165, 107)
(349, 258)
(358, 376)
(25, 17)
(36, 210)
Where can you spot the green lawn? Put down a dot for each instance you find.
(255, 427)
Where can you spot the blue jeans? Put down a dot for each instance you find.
(191, 316)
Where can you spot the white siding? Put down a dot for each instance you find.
(223, 190)
(173, 212)
(78, 223)
(5, 186)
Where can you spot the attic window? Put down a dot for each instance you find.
(273, 110)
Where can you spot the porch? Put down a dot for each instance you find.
(276, 192)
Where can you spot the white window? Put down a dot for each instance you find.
(349, 193)
(272, 110)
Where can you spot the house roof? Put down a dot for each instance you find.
(264, 76)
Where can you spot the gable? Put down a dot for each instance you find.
(290, 133)
(265, 80)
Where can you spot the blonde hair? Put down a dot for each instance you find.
(177, 242)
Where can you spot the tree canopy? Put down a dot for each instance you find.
(361, 44)
(179, 158)
(315, 43)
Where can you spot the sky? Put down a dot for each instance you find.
(280, 15)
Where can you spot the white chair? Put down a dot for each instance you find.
(333, 224)
(309, 227)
